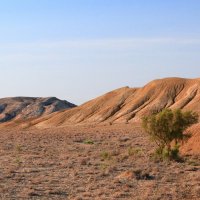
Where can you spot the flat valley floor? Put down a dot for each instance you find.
(91, 162)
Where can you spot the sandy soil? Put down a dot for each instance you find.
(86, 162)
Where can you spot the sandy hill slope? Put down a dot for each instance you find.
(24, 108)
(192, 146)
(130, 104)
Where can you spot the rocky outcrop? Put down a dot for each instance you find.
(23, 108)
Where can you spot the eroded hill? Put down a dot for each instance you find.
(24, 108)
(126, 104)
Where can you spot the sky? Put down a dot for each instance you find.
(80, 49)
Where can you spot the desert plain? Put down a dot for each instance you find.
(91, 162)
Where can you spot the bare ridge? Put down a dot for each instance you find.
(126, 105)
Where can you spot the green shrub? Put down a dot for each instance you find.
(168, 127)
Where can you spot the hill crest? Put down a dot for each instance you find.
(127, 105)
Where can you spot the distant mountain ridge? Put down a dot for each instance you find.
(30, 107)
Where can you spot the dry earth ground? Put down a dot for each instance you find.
(88, 162)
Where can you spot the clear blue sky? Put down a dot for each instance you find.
(79, 49)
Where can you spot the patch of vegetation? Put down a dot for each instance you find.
(18, 151)
(105, 155)
(104, 166)
(18, 148)
(88, 142)
(18, 160)
(142, 175)
(135, 151)
(167, 130)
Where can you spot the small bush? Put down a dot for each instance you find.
(168, 127)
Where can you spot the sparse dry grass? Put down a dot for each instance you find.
(106, 162)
